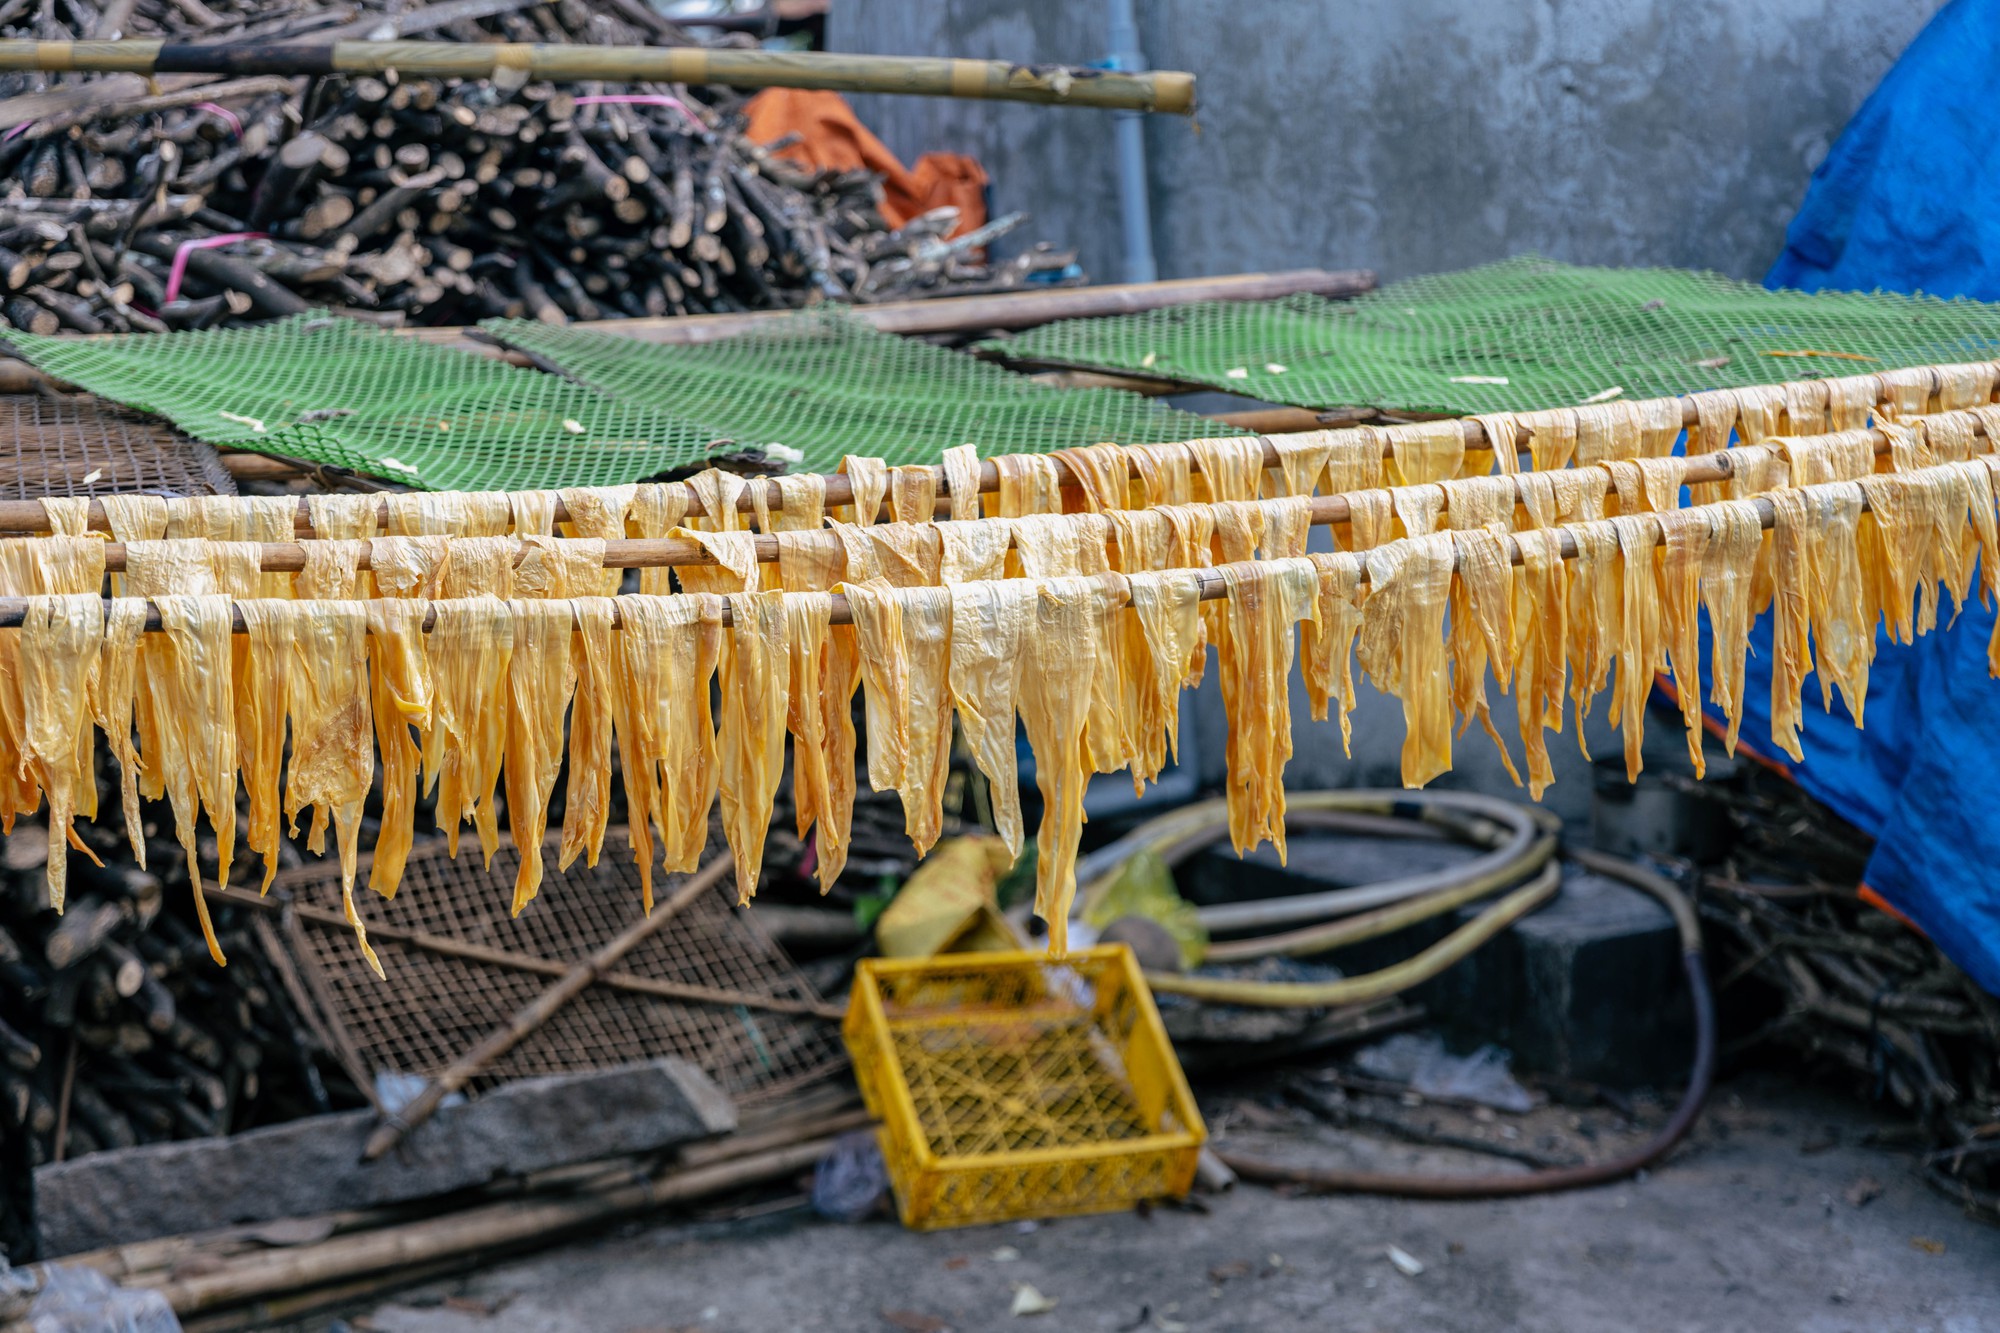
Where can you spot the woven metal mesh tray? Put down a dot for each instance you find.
(827, 384)
(77, 446)
(434, 1007)
(1523, 334)
(334, 391)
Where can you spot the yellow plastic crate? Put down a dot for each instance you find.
(1014, 1085)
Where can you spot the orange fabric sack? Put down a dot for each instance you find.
(832, 138)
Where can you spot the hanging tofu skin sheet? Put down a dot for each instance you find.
(333, 750)
(1058, 661)
(1266, 600)
(989, 625)
(1401, 646)
(541, 676)
(196, 737)
(587, 797)
(822, 800)
(1728, 571)
(402, 688)
(756, 679)
(263, 667)
(905, 640)
(470, 647)
(60, 639)
(1327, 658)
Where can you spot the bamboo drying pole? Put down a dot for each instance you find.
(936, 315)
(28, 516)
(1214, 586)
(538, 1011)
(1169, 91)
(672, 552)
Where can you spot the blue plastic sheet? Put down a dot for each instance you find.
(1907, 201)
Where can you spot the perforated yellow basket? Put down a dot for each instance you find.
(1014, 1085)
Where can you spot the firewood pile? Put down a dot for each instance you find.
(426, 201)
(116, 1029)
(1850, 989)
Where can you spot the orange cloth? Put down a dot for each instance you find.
(832, 138)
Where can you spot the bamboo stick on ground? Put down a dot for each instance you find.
(531, 1017)
(521, 962)
(475, 1231)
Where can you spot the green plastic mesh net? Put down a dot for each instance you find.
(1526, 333)
(826, 385)
(334, 391)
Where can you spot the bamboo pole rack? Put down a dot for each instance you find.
(668, 552)
(1214, 582)
(28, 516)
(1167, 91)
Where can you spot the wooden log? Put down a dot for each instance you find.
(219, 269)
(31, 316)
(18, 1051)
(476, 1231)
(87, 924)
(313, 1166)
(289, 172)
(381, 213)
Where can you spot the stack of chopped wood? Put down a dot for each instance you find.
(1852, 989)
(116, 1029)
(437, 202)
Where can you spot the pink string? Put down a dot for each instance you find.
(179, 270)
(18, 131)
(217, 108)
(645, 99)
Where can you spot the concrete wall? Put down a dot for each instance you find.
(1413, 136)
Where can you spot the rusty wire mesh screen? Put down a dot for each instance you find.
(433, 1008)
(78, 446)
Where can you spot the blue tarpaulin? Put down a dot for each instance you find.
(1908, 201)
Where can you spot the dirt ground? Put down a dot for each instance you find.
(1785, 1212)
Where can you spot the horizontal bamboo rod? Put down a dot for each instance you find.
(1170, 91)
(1214, 584)
(671, 552)
(28, 516)
(938, 314)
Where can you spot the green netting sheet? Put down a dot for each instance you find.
(1526, 333)
(826, 384)
(335, 391)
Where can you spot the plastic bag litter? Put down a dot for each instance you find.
(72, 1299)
(851, 1179)
(1144, 887)
(1425, 1064)
(395, 1091)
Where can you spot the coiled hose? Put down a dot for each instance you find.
(1700, 1078)
(1521, 841)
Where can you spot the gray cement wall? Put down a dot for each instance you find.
(1414, 136)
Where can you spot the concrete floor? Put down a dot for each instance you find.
(1778, 1215)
